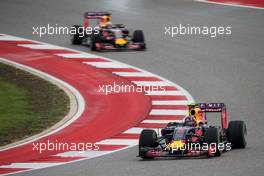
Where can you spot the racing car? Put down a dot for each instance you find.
(105, 35)
(193, 136)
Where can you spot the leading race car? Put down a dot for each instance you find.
(194, 137)
(105, 35)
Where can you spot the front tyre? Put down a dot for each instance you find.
(95, 38)
(212, 137)
(76, 39)
(148, 139)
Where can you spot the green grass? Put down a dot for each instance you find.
(28, 104)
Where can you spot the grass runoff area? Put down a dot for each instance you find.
(28, 104)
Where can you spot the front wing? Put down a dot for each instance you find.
(152, 153)
(131, 46)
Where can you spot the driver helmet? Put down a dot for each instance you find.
(105, 21)
(198, 115)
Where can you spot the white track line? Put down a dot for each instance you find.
(169, 102)
(118, 142)
(11, 38)
(152, 83)
(107, 64)
(33, 165)
(234, 5)
(160, 121)
(40, 46)
(168, 112)
(135, 130)
(77, 55)
(89, 154)
(165, 93)
(133, 74)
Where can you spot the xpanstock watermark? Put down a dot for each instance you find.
(184, 30)
(128, 88)
(56, 145)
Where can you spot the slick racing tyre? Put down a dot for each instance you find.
(148, 139)
(212, 136)
(236, 134)
(138, 36)
(95, 38)
(76, 39)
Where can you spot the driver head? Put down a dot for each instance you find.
(198, 115)
(104, 21)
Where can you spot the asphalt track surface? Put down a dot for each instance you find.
(227, 69)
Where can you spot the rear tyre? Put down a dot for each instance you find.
(148, 139)
(212, 136)
(236, 134)
(138, 36)
(78, 37)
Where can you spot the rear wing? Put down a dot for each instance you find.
(213, 107)
(96, 15)
(93, 15)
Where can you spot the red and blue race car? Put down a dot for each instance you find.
(105, 35)
(194, 137)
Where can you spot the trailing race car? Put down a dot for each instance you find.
(105, 35)
(193, 136)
